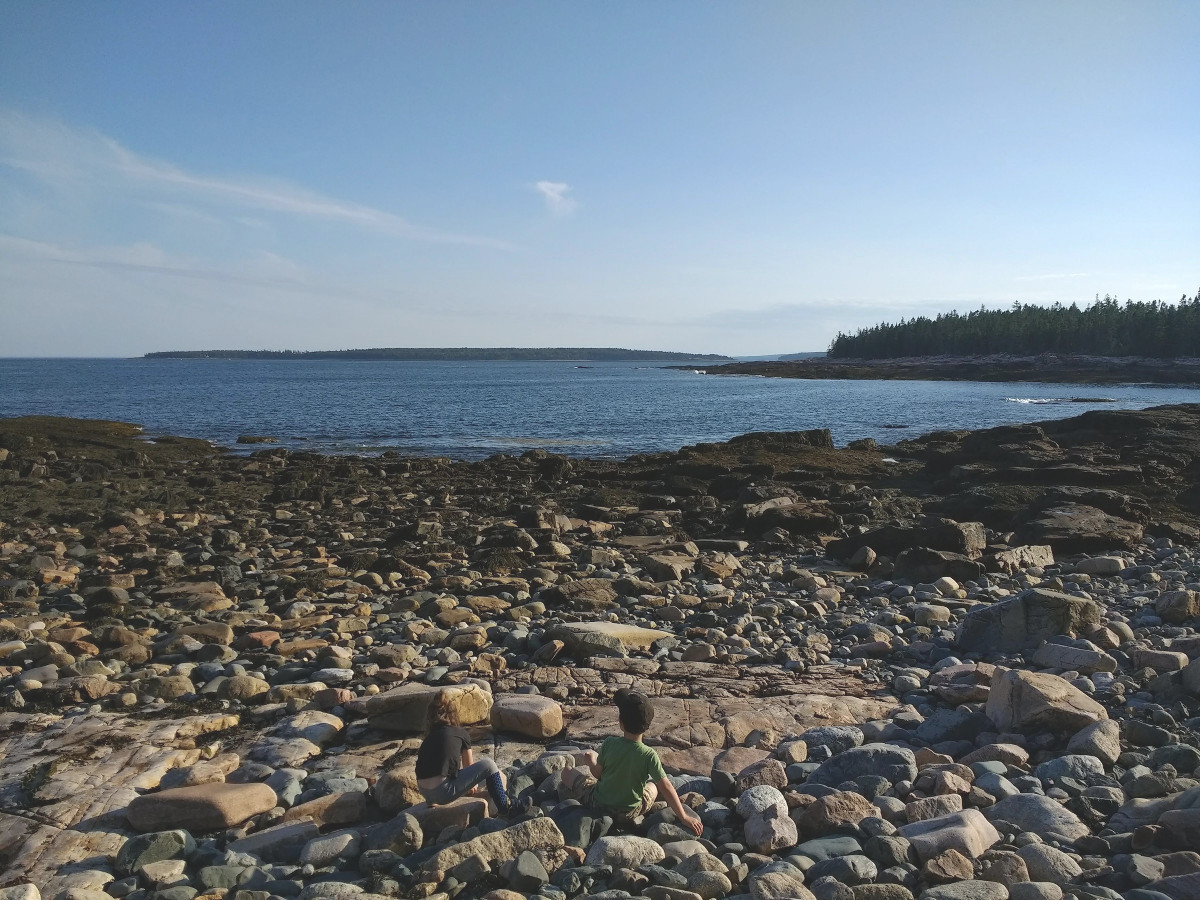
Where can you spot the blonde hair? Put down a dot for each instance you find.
(442, 711)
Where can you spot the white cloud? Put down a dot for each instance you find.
(79, 158)
(555, 195)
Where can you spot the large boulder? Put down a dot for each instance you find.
(925, 564)
(527, 714)
(1035, 701)
(967, 538)
(404, 709)
(200, 808)
(1077, 528)
(1026, 620)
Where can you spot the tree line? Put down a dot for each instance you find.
(1104, 328)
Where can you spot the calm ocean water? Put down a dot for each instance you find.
(470, 410)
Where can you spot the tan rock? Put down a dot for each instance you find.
(948, 866)
(532, 834)
(404, 708)
(243, 687)
(200, 808)
(345, 808)
(528, 714)
(587, 638)
(397, 789)
(1034, 701)
(459, 813)
(968, 832)
(831, 812)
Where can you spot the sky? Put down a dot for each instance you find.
(742, 178)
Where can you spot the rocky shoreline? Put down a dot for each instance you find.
(1049, 367)
(966, 667)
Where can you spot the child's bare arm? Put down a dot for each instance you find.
(666, 790)
(590, 759)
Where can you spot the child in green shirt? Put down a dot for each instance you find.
(626, 775)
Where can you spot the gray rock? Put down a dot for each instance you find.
(760, 799)
(1046, 863)
(1101, 739)
(779, 881)
(1076, 766)
(852, 869)
(1038, 814)
(836, 738)
(153, 847)
(893, 763)
(1026, 620)
(967, 890)
(625, 851)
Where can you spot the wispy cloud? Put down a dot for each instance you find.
(67, 157)
(1054, 277)
(555, 194)
(265, 270)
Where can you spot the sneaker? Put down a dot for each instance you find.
(521, 807)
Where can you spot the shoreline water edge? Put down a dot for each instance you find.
(964, 666)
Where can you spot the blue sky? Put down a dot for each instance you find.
(741, 178)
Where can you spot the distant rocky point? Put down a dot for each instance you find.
(573, 354)
(1047, 367)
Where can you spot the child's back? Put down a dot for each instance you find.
(627, 765)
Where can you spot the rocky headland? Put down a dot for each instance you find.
(964, 667)
(1046, 367)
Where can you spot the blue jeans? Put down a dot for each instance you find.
(467, 778)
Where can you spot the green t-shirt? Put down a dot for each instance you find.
(627, 766)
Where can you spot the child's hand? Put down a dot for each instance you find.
(693, 822)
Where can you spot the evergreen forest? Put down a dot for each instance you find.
(1104, 328)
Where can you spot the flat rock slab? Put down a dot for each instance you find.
(86, 770)
(685, 722)
(200, 808)
(594, 637)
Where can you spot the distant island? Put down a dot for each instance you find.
(561, 354)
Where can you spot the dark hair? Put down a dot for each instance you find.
(441, 711)
(634, 710)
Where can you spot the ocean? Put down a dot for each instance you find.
(471, 410)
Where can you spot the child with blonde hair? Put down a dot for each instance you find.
(446, 767)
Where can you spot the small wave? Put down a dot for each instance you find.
(1042, 401)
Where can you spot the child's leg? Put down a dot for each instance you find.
(649, 795)
(485, 770)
